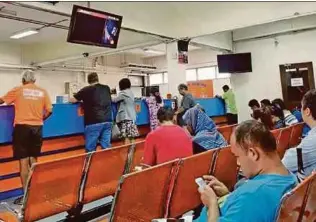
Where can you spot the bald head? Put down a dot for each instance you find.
(28, 77)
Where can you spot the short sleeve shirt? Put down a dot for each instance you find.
(187, 101)
(96, 103)
(30, 103)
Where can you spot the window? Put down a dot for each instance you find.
(165, 77)
(155, 79)
(190, 75)
(206, 73)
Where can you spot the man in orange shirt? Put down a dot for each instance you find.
(32, 105)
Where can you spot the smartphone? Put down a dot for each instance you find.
(200, 182)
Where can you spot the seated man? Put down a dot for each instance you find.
(308, 144)
(167, 142)
(254, 105)
(258, 199)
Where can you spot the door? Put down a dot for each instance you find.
(296, 80)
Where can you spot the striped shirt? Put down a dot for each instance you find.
(308, 146)
(289, 118)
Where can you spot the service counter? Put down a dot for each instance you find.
(67, 119)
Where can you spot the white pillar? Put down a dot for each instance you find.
(176, 72)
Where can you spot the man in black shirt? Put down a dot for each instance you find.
(96, 100)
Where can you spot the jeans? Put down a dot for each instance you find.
(99, 132)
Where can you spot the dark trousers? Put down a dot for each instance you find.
(232, 118)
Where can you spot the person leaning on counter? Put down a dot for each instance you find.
(187, 102)
(29, 103)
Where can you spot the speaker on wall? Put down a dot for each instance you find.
(183, 46)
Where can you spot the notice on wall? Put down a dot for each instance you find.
(201, 89)
(297, 82)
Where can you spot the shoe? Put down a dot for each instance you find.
(18, 201)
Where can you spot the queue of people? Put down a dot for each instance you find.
(268, 177)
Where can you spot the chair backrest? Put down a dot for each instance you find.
(141, 196)
(185, 195)
(309, 214)
(53, 187)
(226, 131)
(138, 155)
(294, 202)
(284, 140)
(226, 168)
(105, 170)
(276, 133)
(296, 135)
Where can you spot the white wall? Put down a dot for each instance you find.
(197, 58)
(54, 81)
(264, 81)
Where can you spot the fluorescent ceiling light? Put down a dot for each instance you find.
(24, 33)
(152, 51)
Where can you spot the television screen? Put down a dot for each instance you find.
(92, 27)
(234, 63)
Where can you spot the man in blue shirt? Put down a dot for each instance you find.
(258, 199)
(308, 144)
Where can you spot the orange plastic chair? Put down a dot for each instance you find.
(185, 195)
(296, 135)
(294, 202)
(226, 168)
(138, 155)
(53, 187)
(105, 170)
(227, 131)
(276, 133)
(310, 209)
(8, 216)
(141, 196)
(284, 140)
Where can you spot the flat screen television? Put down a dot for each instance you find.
(234, 63)
(93, 27)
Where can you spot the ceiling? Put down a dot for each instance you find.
(169, 19)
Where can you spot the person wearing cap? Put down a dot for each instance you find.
(32, 106)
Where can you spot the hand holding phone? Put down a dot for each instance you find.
(200, 182)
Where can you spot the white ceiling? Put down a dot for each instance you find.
(171, 19)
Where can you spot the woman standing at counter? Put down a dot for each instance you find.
(126, 114)
(154, 102)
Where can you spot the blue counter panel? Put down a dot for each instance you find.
(212, 106)
(66, 119)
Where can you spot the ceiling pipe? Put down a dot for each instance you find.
(26, 5)
(96, 54)
(15, 66)
(20, 19)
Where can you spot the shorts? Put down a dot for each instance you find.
(128, 129)
(27, 141)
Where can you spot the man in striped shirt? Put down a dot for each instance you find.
(308, 144)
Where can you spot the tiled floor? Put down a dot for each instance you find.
(9, 203)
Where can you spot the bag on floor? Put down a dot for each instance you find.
(116, 134)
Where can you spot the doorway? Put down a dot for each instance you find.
(296, 80)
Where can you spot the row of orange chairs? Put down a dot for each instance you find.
(286, 138)
(63, 185)
(169, 190)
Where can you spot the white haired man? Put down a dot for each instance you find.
(30, 102)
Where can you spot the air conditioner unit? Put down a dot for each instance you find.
(138, 67)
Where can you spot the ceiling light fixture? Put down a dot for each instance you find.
(152, 51)
(24, 33)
